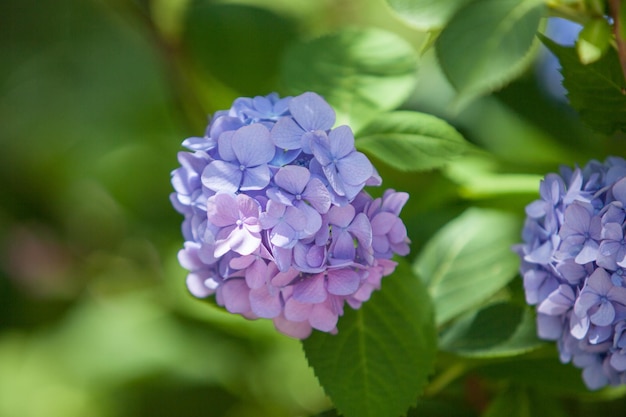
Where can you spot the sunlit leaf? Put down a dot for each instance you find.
(358, 71)
(377, 365)
(426, 14)
(593, 40)
(498, 330)
(487, 44)
(411, 141)
(469, 260)
(597, 91)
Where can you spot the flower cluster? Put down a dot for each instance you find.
(277, 224)
(574, 267)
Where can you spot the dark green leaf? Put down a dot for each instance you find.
(240, 45)
(597, 91)
(469, 260)
(546, 374)
(378, 363)
(521, 402)
(411, 141)
(426, 14)
(498, 330)
(360, 72)
(487, 44)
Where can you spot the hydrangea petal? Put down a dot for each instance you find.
(221, 176)
(312, 112)
(252, 145)
(343, 281)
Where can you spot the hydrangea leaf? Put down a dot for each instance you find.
(378, 363)
(411, 141)
(487, 44)
(469, 260)
(596, 91)
(358, 71)
(593, 40)
(426, 14)
(519, 401)
(547, 374)
(216, 35)
(498, 330)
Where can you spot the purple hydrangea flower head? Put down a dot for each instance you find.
(573, 264)
(277, 223)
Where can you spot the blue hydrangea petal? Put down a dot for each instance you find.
(549, 327)
(619, 191)
(594, 377)
(588, 253)
(292, 179)
(312, 112)
(225, 146)
(317, 195)
(341, 142)
(252, 145)
(355, 169)
(287, 134)
(618, 361)
(222, 176)
(604, 315)
(579, 326)
(255, 178)
(558, 302)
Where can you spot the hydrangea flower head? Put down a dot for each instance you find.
(573, 264)
(277, 224)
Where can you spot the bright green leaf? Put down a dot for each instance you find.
(240, 45)
(469, 260)
(360, 72)
(426, 14)
(498, 330)
(378, 363)
(597, 91)
(593, 40)
(487, 44)
(411, 141)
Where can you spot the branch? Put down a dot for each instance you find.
(615, 6)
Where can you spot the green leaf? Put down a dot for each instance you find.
(360, 72)
(596, 91)
(547, 374)
(522, 402)
(240, 45)
(378, 363)
(498, 330)
(593, 40)
(411, 141)
(487, 44)
(426, 14)
(469, 260)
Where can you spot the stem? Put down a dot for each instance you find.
(556, 9)
(445, 378)
(615, 6)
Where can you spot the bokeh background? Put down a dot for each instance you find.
(95, 98)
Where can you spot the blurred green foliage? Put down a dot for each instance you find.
(95, 98)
